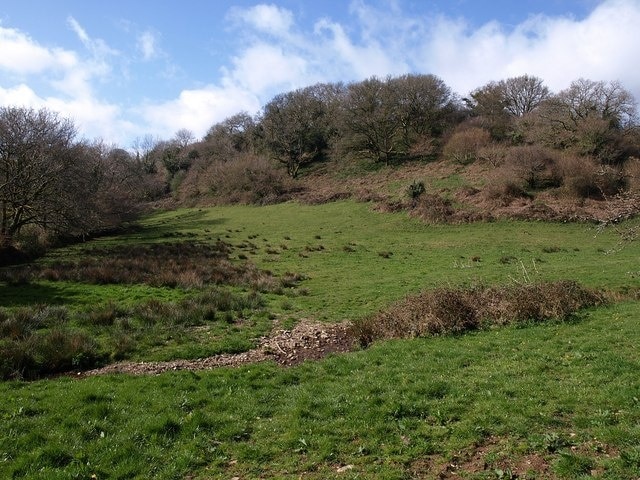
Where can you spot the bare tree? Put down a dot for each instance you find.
(425, 102)
(591, 118)
(523, 94)
(143, 148)
(497, 104)
(295, 129)
(35, 153)
(233, 135)
(184, 137)
(372, 119)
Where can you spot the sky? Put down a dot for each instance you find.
(122, 70)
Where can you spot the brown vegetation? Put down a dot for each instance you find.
(451, 311)
(186, 265)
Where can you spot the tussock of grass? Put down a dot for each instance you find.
(450, 310)
(184, 265)
(43, 340)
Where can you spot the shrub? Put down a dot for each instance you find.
(583, 177)
(432, 208)
(415, 189)
(244, 179)
(465, 144)
(453, 311)
(44, 353)
(534, 165)
(632, 174)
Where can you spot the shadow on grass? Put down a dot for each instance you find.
(194, 221)
(28, 294)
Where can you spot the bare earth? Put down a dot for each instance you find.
(307, 341)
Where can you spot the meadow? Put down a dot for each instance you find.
(535, 400)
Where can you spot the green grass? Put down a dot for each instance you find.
(347, 276)
(565, 392)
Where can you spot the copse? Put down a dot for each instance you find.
(52, 185)
(296, 127)
(387, 119)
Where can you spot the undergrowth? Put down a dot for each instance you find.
(457, 310)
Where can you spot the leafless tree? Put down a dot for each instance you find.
(35, 155)
(143, 148)
(295, 128)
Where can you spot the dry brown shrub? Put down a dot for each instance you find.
(453, 311)
(503, 187)
(432, 208)
(494, 154)
(632, 173)
(247, 179)
(533, 165)
(584, 177)
(465, 144)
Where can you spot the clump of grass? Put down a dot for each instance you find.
(432, 208)
(454, 311)
(188, 265)
(44, 353)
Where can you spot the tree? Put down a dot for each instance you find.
(372, 119)
(523, 94)
(295, 128)
(183, 138)
(425, 105)
(35, 156)
(233, 135)
(591, 118)
(499, 103)
(143, 148)
(607, 101)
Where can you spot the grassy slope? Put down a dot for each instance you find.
(347, 284)
(391, 410)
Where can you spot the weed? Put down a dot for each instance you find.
(415, 189)
(570, 465)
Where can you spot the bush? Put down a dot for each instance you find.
(432, 208)
(454, 311)
(247, 179)
(465, 144)
(533, 165)
(415, 189)
(44, 353)
(583, 177)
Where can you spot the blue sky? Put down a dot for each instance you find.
(125, 69)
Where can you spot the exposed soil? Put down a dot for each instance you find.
(489, 457)
(306, 341)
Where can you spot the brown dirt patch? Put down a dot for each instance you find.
(306, 341)
(490, 457)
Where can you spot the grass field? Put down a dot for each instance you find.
(557, 400)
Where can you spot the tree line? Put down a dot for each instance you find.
(54, 185)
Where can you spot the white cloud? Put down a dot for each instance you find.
(354, 61)
(21, 55)
(262, 67)
(197, 110)
(147, 45)
(266, 18)
(21, 95)
(603, 46)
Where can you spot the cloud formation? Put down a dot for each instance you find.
(275, 52)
